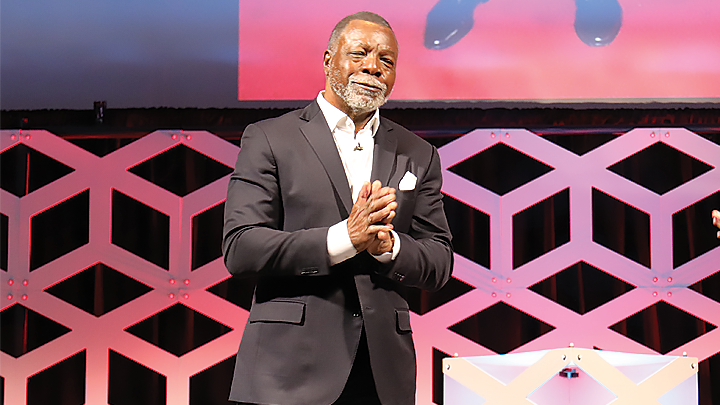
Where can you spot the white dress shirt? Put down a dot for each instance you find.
(356, 153)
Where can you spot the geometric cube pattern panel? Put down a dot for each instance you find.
(644, 279)
(493, 295)
(71, 288)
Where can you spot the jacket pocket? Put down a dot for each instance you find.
(402, 320)
(278, 311)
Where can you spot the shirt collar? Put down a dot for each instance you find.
(338, 119)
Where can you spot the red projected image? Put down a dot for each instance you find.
(611, 50)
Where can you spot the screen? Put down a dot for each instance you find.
(496, 49)
(242, 53)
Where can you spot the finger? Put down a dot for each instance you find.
(380, 203)
(383, 214)
(383, 192)
(377, 228)
(390, 217)
(386, 243)
(385, 211)
(376, 185)
(364, 191)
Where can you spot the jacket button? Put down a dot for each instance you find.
(356, 315)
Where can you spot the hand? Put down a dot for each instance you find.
(369, 221)
(716, 220)
(382, 244)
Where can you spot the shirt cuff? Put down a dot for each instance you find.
(387, 257)
(339, 245)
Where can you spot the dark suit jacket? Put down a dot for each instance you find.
(288, 188)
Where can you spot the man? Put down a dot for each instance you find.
(332, 250)
(716, 220)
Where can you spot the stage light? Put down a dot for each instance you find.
(25, 282)
(10, 296)
(187, 281)
(10, 282)
(669, 279)
(186, 296)
(568, 372)
(172, 281)
(171, 295)
(24, 297)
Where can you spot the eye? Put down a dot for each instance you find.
(388, 62)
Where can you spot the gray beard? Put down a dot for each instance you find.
(359, 100)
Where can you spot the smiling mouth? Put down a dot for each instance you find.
(367, 86)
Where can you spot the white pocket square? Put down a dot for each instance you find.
(408, 182)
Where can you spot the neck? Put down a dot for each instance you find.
(360, 120)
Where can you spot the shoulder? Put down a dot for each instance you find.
(287, 120)
(407, 141)
(291, 119)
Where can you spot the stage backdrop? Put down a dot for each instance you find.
(497, 49)
(114, 291)
(224, 53)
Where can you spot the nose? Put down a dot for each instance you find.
(371, 65)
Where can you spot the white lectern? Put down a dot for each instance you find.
(571, 376)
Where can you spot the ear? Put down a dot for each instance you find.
(327, 57)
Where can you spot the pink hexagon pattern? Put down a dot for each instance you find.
(98, 335)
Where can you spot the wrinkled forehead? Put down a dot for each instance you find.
(369, 34)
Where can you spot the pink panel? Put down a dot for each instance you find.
(97, 335)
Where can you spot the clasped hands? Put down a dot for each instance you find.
(369, 223)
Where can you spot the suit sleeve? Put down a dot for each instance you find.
(253, 239)
(426, 258)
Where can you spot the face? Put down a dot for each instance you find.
(360, 71)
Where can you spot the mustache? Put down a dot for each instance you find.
(368, 81)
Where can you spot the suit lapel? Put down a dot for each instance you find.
(384, 153)
(318, 134)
